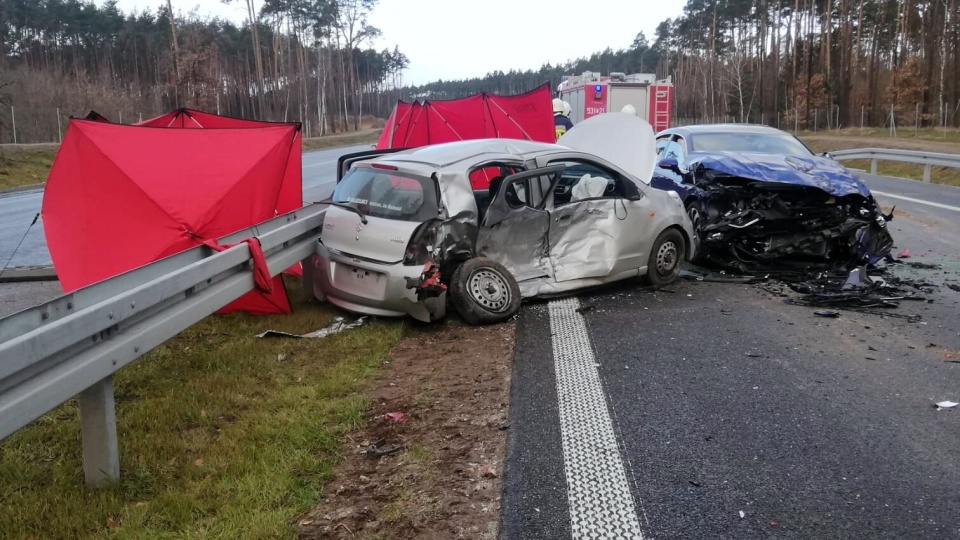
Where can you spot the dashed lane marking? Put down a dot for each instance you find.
(601, 503)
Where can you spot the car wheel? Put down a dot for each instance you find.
(484, 292)
(663, 266)
(695, 213)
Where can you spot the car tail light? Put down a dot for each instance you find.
(422, 242)
(384, 167)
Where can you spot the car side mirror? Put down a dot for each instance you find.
(670, 164)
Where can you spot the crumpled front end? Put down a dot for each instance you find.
(749, 225)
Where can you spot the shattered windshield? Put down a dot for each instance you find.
(758, 143)
(388, 194)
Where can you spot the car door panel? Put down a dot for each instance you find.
(516, 236)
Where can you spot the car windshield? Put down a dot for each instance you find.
(388, 194)
(760, 143)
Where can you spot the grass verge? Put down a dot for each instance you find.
(25, 167)
(940, 135)
(222, 435)
(368, 136)
(928, 140)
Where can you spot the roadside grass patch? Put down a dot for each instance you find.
(222, 434)
(827, 142)
(368, 136)
(951, 135)
(25, 167)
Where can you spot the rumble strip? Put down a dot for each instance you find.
(601, 504)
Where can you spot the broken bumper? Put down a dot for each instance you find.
(374, 288)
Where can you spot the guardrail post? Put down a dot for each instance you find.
(98, 432)
(307, 278)
(926, 173)
(873, 166)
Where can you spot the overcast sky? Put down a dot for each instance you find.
(455, 39)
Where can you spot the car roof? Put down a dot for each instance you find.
(450, 154)
(758, 129)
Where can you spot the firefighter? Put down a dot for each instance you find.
(629, 109)
(561, 123)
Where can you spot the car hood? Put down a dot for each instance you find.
(818, 172)
(624, 140)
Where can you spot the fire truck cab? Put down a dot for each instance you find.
(591, 94)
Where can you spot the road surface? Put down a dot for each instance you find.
(719, 411)
(18, 209)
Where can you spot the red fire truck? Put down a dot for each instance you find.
(591, 94)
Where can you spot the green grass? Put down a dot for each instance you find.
(950, 135)
(369, 136)
(822, 142)
(25, 167)
(219, 437)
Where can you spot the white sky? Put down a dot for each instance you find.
(456, 39)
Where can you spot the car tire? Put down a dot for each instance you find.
(666, 256)
(484, 292)
(695, 212)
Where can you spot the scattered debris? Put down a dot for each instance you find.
(827, 313)
(953, 286)
(945, 405)
(694, 483)
(398, 417)
(905, 254)
(583, 309)
(773, 523)
(754, 355)
(338, 324)
(742, 514)
(487, 471)
(377, 449)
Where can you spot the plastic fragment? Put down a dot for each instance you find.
(336, 325)
(946, 405)
(742, 514)
(827, 313)
(397, 416)
(905, 254)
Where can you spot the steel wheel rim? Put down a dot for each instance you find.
(667, 258)
(694, 215)
(489, 289)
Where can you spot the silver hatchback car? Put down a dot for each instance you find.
(405, 228)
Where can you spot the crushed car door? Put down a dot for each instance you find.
(595, 230)
(514, 229)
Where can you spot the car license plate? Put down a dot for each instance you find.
(358, 281)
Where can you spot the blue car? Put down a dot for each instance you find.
(759, 199)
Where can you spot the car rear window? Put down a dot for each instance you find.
(388, 194)
(760, 143)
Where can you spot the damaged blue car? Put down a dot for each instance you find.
(760, 200)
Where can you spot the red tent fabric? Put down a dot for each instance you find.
(121, 196)
(523, 116)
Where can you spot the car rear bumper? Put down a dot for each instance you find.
(373, 288)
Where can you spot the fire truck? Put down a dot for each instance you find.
(590, 94)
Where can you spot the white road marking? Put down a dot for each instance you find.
(918, 201)
(601, 504)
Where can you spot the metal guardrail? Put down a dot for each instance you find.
(927, 159)
(73, 344)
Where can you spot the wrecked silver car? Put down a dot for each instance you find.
(406, 227)
(760, 200)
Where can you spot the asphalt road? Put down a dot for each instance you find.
(723, 399)
(18, 209)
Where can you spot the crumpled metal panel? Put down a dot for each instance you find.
(458, 232)
(519, 243)
(818, 172)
